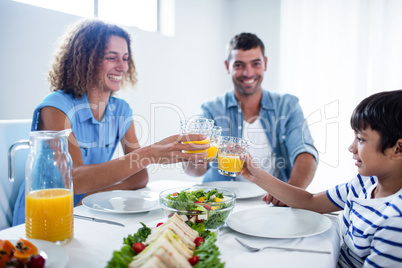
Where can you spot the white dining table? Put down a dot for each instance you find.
(93, 243)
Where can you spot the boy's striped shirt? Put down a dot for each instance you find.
(371, 228)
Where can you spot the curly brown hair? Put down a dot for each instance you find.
(76, 65)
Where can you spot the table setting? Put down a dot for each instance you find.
(94, 242)
(227, 218)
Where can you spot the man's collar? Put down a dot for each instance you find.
(232, 101)
(266, 102)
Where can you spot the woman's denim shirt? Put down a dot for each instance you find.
(283, 122)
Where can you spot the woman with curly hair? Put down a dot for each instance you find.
(94, 62)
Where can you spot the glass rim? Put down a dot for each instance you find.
(50, 134)
(234, 139)
(229, 194)
(197, 120)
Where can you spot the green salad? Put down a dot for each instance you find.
(208, 253)
(210, 207)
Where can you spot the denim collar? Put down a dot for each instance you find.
(266, 101)
(85, 110)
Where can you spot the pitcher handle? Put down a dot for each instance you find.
(22, 144)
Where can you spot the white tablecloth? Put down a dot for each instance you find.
(94, 243)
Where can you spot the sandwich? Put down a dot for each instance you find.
(169, 245)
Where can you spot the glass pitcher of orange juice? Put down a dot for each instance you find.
(48, 187)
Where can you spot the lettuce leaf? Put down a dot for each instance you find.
(208, 253)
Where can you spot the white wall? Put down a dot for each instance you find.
(331, 54)
(176, 74)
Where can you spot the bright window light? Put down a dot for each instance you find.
(136, 13)
(82, 8)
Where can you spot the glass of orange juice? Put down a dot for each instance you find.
(214, 144)
(229, 152)
(197, 125)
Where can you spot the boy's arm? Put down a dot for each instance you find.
(290, 195)
(301, 176)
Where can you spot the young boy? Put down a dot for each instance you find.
(371, 226)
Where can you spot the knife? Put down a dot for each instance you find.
(98, 220)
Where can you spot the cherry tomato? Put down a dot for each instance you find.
(174, 194)
(138, 247)
(193, 260)
(197, 220)
(159, 224)
(207, 207)
(198, 241)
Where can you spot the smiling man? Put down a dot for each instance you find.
(274, 124)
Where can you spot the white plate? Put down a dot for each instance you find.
(242, 189)
(278, 222)
(123, 201)
(55, 255)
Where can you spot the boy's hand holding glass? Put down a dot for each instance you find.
(229, 155)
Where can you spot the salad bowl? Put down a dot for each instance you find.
(207, 205)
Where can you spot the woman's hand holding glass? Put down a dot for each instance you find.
(173, 149)
(197, 125)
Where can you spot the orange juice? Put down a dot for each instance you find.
(230, 163)
(49, 215)
(196, 142)
(211, 153)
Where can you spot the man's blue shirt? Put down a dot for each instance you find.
(283, 122)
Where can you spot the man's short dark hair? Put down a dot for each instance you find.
(244, 41)
(381, 112)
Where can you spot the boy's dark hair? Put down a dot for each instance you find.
(244, 41)
(381, 112)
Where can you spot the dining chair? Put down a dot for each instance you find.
(11, 131)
